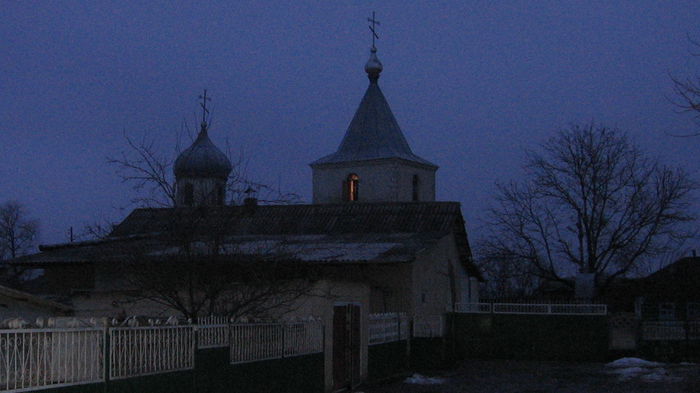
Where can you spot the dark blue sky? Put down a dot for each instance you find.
(471, 83)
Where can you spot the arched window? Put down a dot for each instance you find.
(351, 187)
(416, 186)
(189, 194)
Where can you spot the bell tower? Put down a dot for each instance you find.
(374, 162)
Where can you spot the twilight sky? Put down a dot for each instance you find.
(471, 83)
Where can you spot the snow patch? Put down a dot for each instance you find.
(633, 362)
(418, 379)
(645, 370)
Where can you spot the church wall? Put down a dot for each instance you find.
(380, 181)
(426, 183)
(390, 287)
(205, 190)
(435, 275)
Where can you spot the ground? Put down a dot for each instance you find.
(504, 376)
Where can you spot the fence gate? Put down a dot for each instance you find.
(346, 346)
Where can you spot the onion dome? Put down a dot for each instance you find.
(373, 67)
(202, 159)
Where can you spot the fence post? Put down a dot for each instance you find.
(283, 343)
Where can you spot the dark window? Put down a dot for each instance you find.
(667, 311)
(189, 194)
(351, 186)
(220, 195)
(416, 183)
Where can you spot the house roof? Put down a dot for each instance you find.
(388, 232)
(678, 280)
(33, 299)
(374, 132)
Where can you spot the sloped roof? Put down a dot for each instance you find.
(374, 132)
(678, 280)
(33, 299)
(388, 232)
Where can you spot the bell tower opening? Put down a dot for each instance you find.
(351, 186)
(416, 188)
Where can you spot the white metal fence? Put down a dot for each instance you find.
(260, 341)
(212, 332)
(670, 330)
(430, 326)
(388, 327)
(148, 350)
(533, 308)
(40, 358)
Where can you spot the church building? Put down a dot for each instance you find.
(374, 230)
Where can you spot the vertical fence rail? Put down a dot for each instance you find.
(387, 327)
(32, 359)
(212, 332)
(261, 341)
(429, 326)
(136, 351)
(533, 308)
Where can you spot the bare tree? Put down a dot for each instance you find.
(506, 277)
(687, 91)
(18, 235)
(592, 203)
(194, 267)
(151, 175)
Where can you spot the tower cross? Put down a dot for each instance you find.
(373, 29)
(203, 104)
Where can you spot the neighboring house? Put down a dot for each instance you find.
(18, 304)
(376, 235)
(672, 293)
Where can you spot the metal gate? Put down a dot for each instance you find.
(346, 346)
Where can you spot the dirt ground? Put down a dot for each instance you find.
(504, 376)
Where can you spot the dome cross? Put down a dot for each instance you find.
(203, 104)
(373, 28)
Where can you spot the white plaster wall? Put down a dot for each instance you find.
(431, 278)
(389, 180)
(205, 190)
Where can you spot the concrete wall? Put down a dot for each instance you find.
(387, 180)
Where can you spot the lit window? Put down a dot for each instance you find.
(351, 186)
(415, 187)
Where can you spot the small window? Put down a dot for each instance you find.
(416, 184)
(667, 311)
(352, 187)
(189, 194)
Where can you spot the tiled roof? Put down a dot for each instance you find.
(388, 232)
